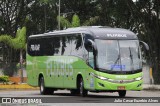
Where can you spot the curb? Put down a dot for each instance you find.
(18, 86)
(151, 87)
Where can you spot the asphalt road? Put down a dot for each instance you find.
(63, 96)
(66, 93)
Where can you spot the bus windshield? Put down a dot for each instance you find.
(118, 55)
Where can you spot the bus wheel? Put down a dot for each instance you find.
(83, 92)
(43, 89)
(122, 93)
(74, 92)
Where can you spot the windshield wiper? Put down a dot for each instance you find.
(131, 57)
(115, 62)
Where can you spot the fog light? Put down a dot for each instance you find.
(139, 85)
(101, 84)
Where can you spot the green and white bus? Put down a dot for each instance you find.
(82, 59)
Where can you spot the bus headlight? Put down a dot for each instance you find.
(117, 80)
(102, 78)
(99, 77)
(139, 78)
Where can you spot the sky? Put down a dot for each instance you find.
(134, 0)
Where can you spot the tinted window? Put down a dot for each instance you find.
(72, 45)
(56, 45)
(77, 46)
(34, 46)
(46, 47)
(66, 44)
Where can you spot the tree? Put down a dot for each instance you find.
(13, 15)
(142, 17)
(146, 15)
(76, 21)
(19, 42)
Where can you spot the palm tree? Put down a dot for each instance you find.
(19, 43)
(76, 21)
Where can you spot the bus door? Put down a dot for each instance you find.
(90, 51)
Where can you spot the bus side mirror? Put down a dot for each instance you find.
(145, 52)
(145, 45)
(89, 45)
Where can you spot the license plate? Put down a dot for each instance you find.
(121, 88)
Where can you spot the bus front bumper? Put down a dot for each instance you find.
(106, 85)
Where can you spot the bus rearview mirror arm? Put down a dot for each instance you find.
(145, 45)
(93, 44)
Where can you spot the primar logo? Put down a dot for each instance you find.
(35, 47)
(116, 35)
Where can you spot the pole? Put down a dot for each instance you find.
(21, 68)
(45, 17)
(59, 12)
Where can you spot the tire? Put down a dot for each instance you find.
(43, 89)
(122, 93)
(82, 90)
(74, 92)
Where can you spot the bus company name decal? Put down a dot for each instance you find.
(60, 67)
(117, 35)
(35, 47)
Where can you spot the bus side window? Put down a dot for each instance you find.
(33, 47)
(66, 45)
(77, 46)
(46, 47)
(56, 45)
(29, 50)
(72, 45)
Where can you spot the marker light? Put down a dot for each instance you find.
(139, 78)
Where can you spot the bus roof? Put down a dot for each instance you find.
(97, 32)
